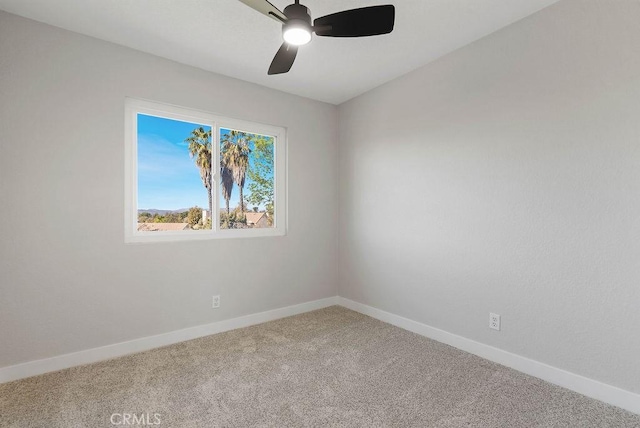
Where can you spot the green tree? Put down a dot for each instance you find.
(194, 215)
(200, 151)
(172, 218)
(144, 217)
(261, 191)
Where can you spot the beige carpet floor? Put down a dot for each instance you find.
(332, 367)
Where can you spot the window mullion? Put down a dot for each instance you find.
(215, 169)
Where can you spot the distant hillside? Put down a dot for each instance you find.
(153, 211)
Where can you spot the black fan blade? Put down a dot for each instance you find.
(283, 60)
(366, 21)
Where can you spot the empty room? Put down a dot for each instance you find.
(340, 213)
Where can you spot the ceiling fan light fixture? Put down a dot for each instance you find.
(296, 33)
(297, 28)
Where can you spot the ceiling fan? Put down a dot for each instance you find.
(297, 28)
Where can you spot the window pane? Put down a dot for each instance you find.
(174, 175)
(246, 180)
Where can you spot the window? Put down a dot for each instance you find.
(195, 175)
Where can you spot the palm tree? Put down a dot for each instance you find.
(200, 151)
(235, 157)
(226, 179)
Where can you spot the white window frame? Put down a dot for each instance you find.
(135, 106)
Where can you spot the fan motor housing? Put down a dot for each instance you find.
(298, 12)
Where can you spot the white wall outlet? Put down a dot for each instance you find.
(494, 321)
(216, 302)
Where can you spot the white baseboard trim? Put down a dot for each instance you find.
(580, 384)
(591, 388)
(33, 368)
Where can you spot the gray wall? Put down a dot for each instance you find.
(505, 177)
(68, 282)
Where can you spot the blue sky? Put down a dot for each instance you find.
(168, 178)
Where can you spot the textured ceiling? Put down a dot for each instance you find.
(227, 37)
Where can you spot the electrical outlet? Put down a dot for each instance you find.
(494, 321)
(216, 302)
